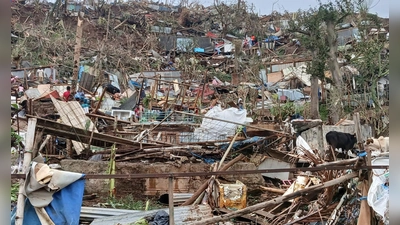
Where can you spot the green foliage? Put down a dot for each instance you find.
(323, 112)
(14, 192)
(282, 111)
(146, 101)
(15, 137)
(222, 76)
(129, 202)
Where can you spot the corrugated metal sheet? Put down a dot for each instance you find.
(168, 43)
(298, 72)
(184, 215)
(165, 75)
(87, 81)
(163, 8)
(131, 101)
(179, 198)
(32, 93)
(164, 30)
(91, 213)
(19, 74)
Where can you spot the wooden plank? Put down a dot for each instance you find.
(82, 135)
(111, 118)
(77, 51)
(171, 200)
(265, 214)
(248, 217)
(30, 138)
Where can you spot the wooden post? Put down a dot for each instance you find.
(166, 97)
(77, 51)
(101, 98)
(48, 137)
(262, 98)
(30, 138)
(367, 184)
(183, 96)
(204, 86)
(171, 200)
(69, 147)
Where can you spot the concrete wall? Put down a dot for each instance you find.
(315, 137)
(152, 186)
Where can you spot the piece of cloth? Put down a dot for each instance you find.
(80, 96)
(161, 218)
(42, 182)
(63, 210)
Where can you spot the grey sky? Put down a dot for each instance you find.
(264, 7)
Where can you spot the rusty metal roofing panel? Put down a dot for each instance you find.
(184, 215)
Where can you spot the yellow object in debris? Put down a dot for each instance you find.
(233, 196)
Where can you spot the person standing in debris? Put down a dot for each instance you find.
(67, 94)
(253, 40)
(20, 90)
(40, 73)
(216, 48)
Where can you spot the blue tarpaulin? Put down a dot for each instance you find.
(135, 84)
(271, 38)
(81, 70)
(240, 144)
(64, 209)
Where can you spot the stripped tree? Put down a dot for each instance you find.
(317, 29)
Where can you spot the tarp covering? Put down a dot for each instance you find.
(217, 130)
(378, 194)
(240, 144)
(52, 194)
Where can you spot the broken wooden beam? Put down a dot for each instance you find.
(82, 135)
(255, 219)
(278, 200)
(111, 118)
(340, 162)
(77, 51)
(276, 190)
(205, 184)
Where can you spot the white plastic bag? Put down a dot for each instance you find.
(378, 194)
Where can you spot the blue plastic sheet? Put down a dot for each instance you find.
(81, 70)
(65, 208)
(240, 144)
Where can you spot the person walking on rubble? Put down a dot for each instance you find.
(253, 40)
(67, 94)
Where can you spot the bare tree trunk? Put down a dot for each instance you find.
(77, 51)
(314, 104)
(332, 60)
(333, 64)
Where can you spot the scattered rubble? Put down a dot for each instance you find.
(153, 89)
